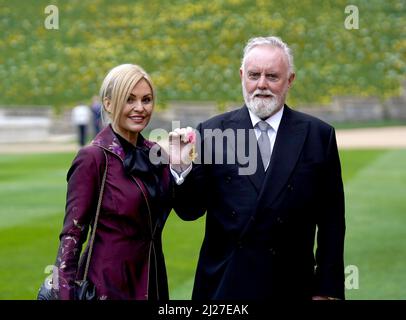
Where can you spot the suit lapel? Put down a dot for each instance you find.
(242, 121)
(288, 146)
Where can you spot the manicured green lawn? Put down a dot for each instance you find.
(376, 233)
(32, 197)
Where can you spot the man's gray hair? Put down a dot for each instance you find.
(271, 41)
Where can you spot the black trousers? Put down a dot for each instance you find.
(82, 134)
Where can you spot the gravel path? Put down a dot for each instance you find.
(380, 138)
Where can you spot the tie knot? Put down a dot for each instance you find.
(263, 126)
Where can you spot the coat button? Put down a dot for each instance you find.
(290, 187)
(279, 220)
(272, 251)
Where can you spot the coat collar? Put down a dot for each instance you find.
(289, 141)
(274, 120)
(242, 120)
(108, 140)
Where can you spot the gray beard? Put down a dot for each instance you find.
(262, 108)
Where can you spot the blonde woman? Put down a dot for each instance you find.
(126, 259)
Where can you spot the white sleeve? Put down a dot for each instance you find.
(179, 178)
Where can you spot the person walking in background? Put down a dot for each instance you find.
(80, 119)
(261, 227)
(126, 260)
(96, 108)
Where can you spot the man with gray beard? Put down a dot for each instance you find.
(261, 227)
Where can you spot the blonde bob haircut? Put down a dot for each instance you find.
(117, 86)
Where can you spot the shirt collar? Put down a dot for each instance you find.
(274, 121)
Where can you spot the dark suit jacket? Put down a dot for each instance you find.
(261, 228)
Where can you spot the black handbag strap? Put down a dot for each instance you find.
(91, 241)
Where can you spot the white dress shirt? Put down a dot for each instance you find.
(274, 121)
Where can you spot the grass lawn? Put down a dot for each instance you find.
(376, 234)
(32, 197)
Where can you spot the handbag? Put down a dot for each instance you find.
(84, 289)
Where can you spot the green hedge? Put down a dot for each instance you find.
(193, 49)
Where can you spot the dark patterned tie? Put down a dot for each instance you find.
(264, 143)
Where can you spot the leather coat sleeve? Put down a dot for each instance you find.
(84, 179)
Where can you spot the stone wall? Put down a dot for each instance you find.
(395, 108)
(355, 109)
(38, 123)
(24, 124)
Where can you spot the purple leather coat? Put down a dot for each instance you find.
(127, 260)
